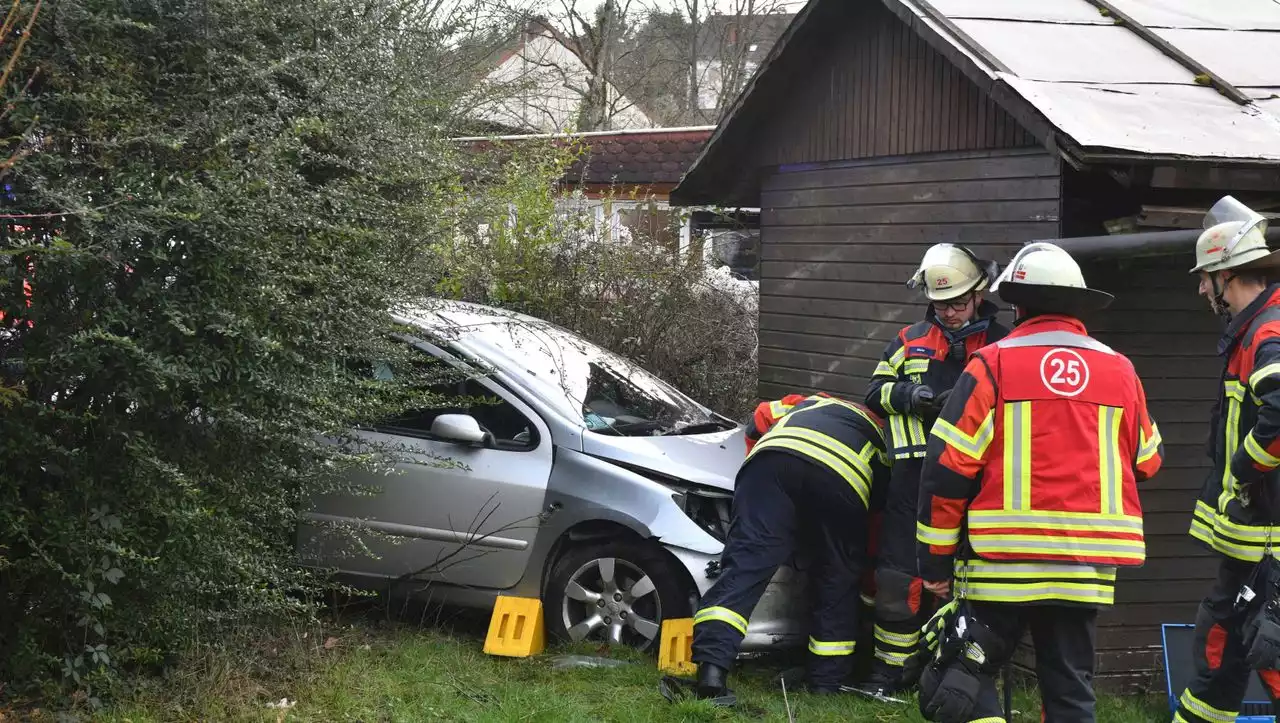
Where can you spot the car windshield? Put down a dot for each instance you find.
(610, 393)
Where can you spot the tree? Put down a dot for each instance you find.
(219, 204)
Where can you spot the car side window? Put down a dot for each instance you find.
(508, 428)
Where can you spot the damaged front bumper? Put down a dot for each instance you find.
(779, 619)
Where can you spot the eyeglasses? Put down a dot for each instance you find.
(957, 305)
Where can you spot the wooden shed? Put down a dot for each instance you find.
(876, 128)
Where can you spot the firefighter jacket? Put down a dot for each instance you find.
(927, 354)
(767, 414)
(839, 435)
(1234, 515)
(1035, 462)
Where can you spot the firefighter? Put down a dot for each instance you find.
(805, 487)
(1033, 464)
(767, 414)
(915, 375)
(1236, 512)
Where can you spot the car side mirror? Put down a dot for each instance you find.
(457, 428)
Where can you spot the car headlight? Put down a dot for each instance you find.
(710, 510)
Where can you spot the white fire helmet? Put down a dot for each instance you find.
(1044, 277)
(1234, 238)
(948, 271)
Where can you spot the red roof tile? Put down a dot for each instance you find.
(649, 157)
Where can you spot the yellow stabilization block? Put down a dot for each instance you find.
(675, 650)
(516, 629)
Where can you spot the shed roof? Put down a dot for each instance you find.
(1097, 80)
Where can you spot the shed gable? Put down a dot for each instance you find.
(881, 90)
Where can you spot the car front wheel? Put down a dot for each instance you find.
(618, 592)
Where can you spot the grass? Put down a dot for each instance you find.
(387, 673)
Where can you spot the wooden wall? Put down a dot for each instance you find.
(839, 242)
(878, 89)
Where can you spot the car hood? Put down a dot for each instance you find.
(708, 459)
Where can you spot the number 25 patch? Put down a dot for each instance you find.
(1064, 372)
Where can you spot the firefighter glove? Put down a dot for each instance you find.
(922, 401)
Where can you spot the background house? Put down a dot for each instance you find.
(878, 127)
(539, 83)
(626, 178)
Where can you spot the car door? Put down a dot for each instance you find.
(464, 514)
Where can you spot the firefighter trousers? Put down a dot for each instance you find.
(1222, 675)
(1064, 637)
(902, 605)
(783, 505)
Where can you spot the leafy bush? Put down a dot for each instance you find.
(545, 254)
(219, 202)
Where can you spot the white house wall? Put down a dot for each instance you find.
(541, 88)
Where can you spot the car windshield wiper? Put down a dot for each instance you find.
(699, 428)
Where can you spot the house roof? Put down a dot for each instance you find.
(1096, 80)
(657, 156)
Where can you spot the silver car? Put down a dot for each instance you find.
(583, 480)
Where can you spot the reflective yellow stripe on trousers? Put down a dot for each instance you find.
(723, 615)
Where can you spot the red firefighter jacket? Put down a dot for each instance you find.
(1233, 515)
(1036, 459)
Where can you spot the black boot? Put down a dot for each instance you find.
(712, 681)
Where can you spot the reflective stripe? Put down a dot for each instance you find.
(1031, 570)
(828, 649)
(867, 600)
(1037, 545)
(974, 445)
(778, 409)
(1202, 521)
(1110, 476)
(1231, 438)
(916, 366)
(884, 370)
(1204, 710)
(993, 719)
(1055, 338)
(1259, 455)
(915, 431)
(871, 454)
(1149, 447)
(886, 397)
(873, 424)
(897, 431)
(723, 615)
(1098, 594)
(940, 536)
(1017, 456)
(1269, 370)
(902, 640)
(1081, 521)
(895, 361)
(832, 459)
(897, 660)
(851, 458)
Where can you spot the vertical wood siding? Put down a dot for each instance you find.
(880, 90)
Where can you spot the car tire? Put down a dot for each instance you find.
(618, 591)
